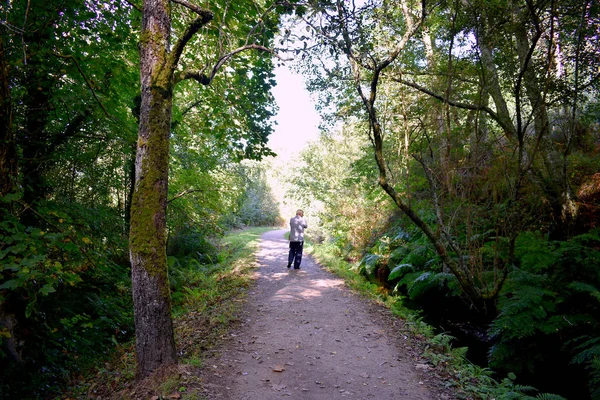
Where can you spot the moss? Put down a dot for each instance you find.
(148, 226)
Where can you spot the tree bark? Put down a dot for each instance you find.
(155, 343)
(8, 147)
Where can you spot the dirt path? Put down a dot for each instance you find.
(306, 336)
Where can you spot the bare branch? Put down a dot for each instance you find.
(181, 194)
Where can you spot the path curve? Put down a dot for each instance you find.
(305, 335)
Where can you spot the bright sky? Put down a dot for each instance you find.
(297, 120)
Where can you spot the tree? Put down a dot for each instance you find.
(422, 79)
(66, 81)
(159, 62)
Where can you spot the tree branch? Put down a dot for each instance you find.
(205, 80)
(135, 6)
(198, 10)
(189, 32)
(181, 194)
(87, 82)
(458, 104)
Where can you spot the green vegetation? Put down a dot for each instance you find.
(207, 298)
(69, 111)
(457, 171)
(467, 379)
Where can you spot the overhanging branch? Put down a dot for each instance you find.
(458, 104)
(205, 80)
(181, 194)
(198, 10)
(87, 82)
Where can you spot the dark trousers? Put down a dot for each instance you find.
(295, 254)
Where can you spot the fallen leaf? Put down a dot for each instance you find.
(278, 368)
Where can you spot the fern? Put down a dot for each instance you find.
(398, 254)
(534, 252)
(368, 264)
(586, 288)
(508, 389)
(426, 281)
(549, 396)
(419, 256)
(399, 271)
(526, 311)
(401, 235)
(594, 384)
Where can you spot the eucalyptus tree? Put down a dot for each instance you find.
(163, 65)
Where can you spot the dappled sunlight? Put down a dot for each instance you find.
(328, 283)
(273, 277)
(296, 293)
(291, 285)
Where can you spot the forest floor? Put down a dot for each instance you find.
(304, 335)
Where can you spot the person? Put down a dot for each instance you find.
(297, 227)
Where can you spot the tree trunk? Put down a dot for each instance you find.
(8, 148)
(155, 343)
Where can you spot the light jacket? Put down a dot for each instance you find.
(297, 227)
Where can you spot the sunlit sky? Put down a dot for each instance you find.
(297, 120)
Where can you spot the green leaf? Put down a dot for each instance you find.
(47, 289)
(11, 284)
(399, 271)
(29, 309)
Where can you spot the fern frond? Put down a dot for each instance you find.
(549, 396)
(590, 350)
(524, 389)
(586, 288)
(398, 254)
(401, 235)
(368, 264)
(399, 271)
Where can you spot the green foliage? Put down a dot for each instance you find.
(368, 264)
(400, 270)
(421, 284)
(467, 380)
(67, 295)
(545, 305)
(256, 205)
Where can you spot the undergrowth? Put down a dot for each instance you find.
(207, 299)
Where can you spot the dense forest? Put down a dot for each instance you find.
(457, 167)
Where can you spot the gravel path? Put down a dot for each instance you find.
(306, 336)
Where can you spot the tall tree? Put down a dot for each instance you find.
(159, 62)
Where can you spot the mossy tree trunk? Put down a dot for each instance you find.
(155, 343)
